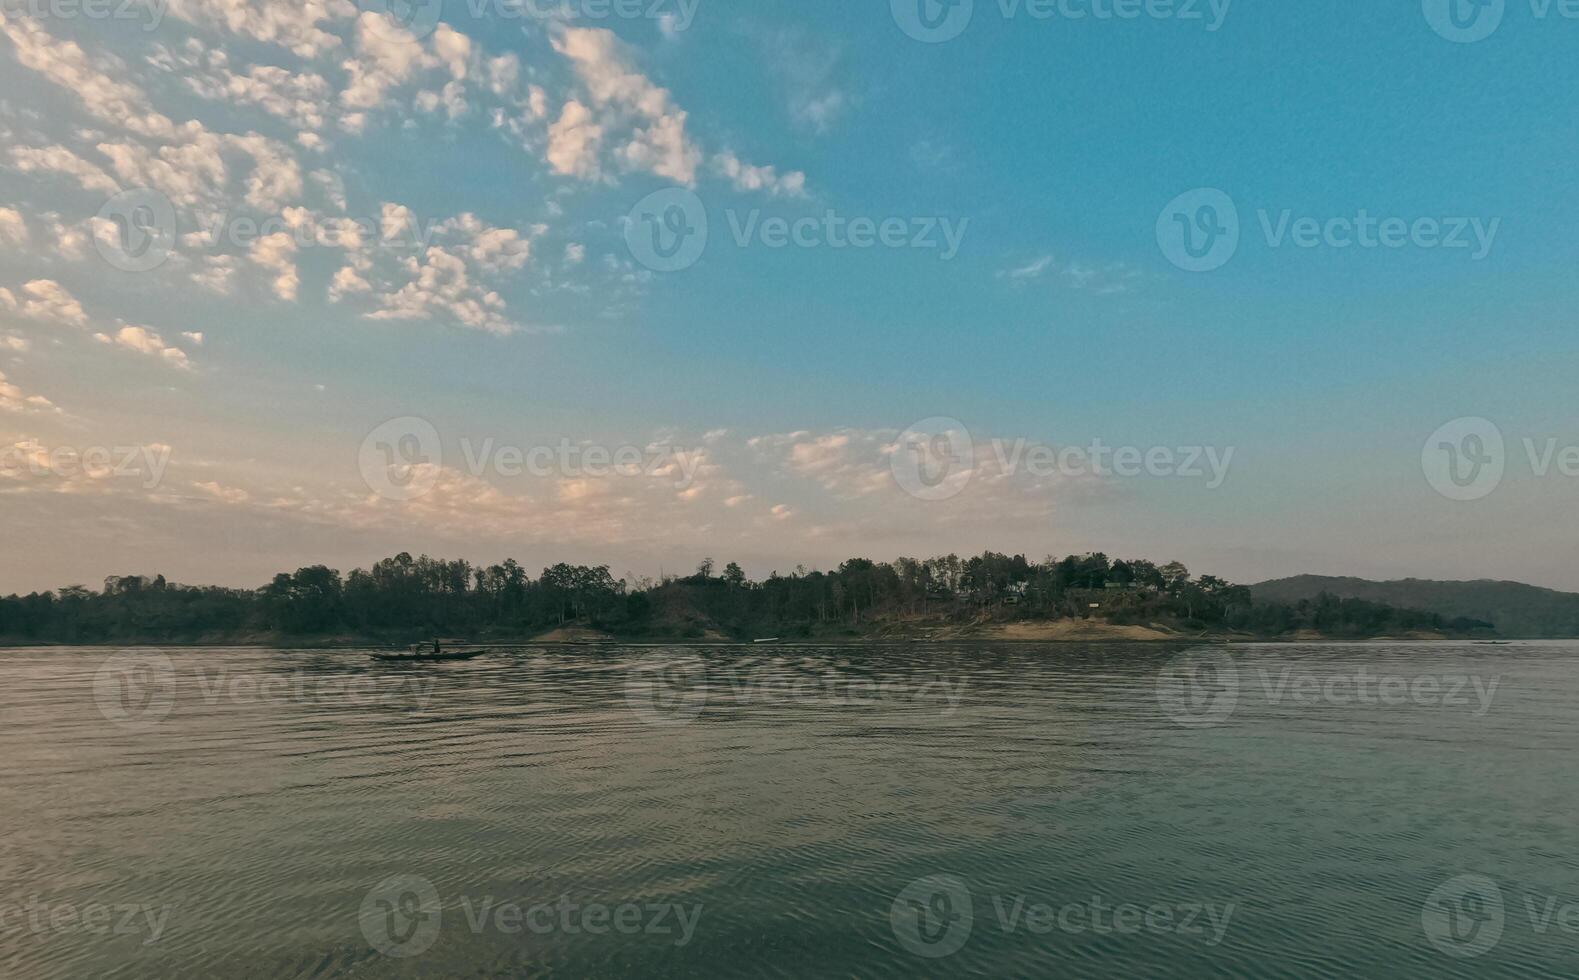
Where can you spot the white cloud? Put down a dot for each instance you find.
(48, 301)
(440, 286)
(452, 99)
(67, 65)
(222, 493)
(292, 24)
(68, 242)
(276, 253)
(386, 56)
(504, 73)
(1108, 280)
(346, 282)
(13, 230)
(300, 99)
(276, 178)
(59, 160)
(807, 68)
(627, 100)
(574, 141)
(818, 112)
(217, 273)
(746, 177)
(145, 341)
(493, 249)
(13, 399)
(1033, 269)
(331, 186)
(452, 48)
(191, 173)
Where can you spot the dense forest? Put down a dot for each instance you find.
(405, 597)
(1518, 610)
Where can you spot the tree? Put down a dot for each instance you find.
(1174, 575)
(734, 576)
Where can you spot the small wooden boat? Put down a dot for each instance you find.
(424, 653)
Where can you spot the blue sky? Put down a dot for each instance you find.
(527, 139)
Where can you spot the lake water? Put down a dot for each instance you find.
(1406, 810)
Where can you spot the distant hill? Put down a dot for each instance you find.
(1518, 610)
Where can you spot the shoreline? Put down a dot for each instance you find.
(306, 644)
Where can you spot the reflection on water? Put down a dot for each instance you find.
(1110, 810)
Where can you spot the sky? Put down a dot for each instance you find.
(1267, 288)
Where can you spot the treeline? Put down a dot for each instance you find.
(403, 597)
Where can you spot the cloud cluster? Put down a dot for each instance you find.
(47, 302)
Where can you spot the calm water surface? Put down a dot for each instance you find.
(1396, 810)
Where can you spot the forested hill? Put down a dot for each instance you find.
(406, 598)
(1519, 610)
